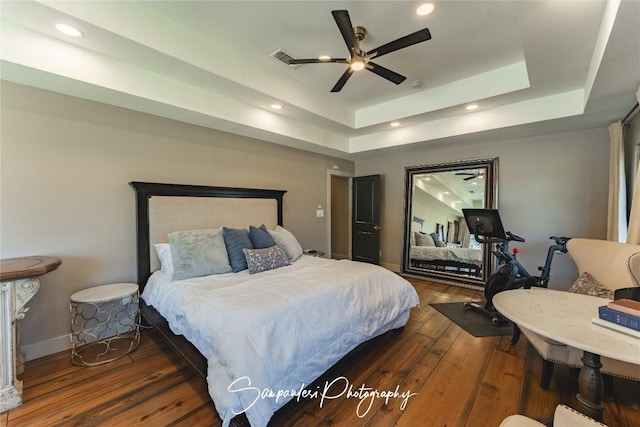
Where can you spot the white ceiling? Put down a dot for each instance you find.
(532, 66)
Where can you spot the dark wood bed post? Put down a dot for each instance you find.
(146, 190)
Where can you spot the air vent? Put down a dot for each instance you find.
(284, 57)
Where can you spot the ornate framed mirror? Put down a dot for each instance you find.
(437, 244)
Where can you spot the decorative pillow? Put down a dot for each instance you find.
(260, 237)
(164, 255)
(587, 285)
(237, 239)
(265, 259)
(198, 253)
(412, 240)
(424, 240)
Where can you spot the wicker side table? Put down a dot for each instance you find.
(104, 323)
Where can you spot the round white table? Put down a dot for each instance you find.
(104, 323)
(566, 317)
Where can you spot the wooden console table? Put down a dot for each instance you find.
(18, 284)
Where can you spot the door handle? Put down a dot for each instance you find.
(376, 227)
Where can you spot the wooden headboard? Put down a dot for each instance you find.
(163, 208)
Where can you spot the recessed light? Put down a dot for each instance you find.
(425, 9)
(69, 30)
(471, 107)
(324, 58)
(276, 106)
(394, 124)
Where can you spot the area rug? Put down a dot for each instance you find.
(473, 321)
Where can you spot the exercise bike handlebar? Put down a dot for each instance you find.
(490, 239)
(511, 236)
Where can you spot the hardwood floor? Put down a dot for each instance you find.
(455, 380)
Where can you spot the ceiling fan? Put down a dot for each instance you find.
(471, 175)
(359, 59)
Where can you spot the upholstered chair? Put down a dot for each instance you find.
(563, 417)
(614, 266)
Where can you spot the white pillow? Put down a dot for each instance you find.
(164, 254)
(424, 240)
(284, 238)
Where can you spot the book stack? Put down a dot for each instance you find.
(621, 315)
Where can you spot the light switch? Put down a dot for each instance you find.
(319, 213)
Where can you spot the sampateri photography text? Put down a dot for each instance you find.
(338, 388)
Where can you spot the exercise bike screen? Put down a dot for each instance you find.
(484, 222)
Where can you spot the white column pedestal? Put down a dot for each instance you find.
(14, 295)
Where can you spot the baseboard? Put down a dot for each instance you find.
(393, 267)
(47, 347)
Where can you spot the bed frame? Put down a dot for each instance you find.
(448, 266)
(235, 198)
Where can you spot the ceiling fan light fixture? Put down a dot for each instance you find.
(425, 9)
(324, 58)
(357, 64)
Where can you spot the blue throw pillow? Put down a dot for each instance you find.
(236, 239)
(260, 237)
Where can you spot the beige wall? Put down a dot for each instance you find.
(548, 185)
(65, 167)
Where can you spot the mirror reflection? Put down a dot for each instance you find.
(438, 243)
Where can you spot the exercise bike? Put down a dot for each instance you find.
(487, 229)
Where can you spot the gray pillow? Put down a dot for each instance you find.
(237, 239)
(198, 253)
(265, 259)
(284, 238)
(587, 285)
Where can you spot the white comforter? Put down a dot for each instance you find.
(277, 331)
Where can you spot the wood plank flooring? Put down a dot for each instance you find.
(456, 380)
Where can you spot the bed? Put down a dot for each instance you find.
(425, 252)
(257, 336)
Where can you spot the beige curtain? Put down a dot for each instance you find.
(464, 236)
(617, 214)
(633, 234)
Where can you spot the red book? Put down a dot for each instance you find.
(625, 305)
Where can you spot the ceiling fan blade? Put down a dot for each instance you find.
(346, 28)
(317, 61)
(465, 173)
(406, 41)
(386, 73)
(468, 178)
(343, 79)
